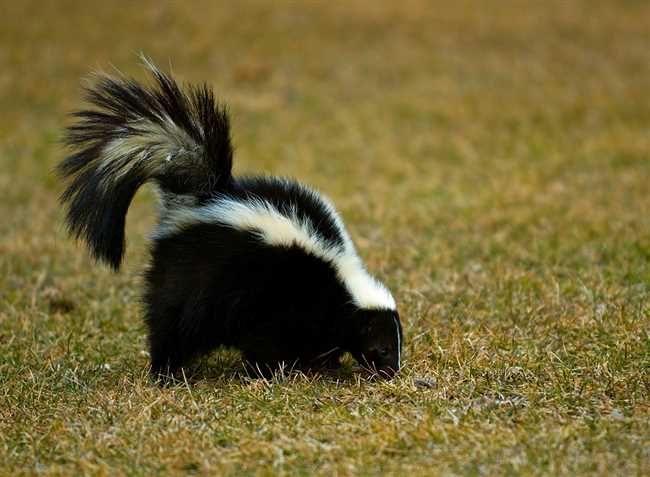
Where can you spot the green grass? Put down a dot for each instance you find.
(492, 164)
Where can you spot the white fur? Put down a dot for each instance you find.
(275, 228)
(154, 147)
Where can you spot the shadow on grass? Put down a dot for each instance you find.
(229, 369)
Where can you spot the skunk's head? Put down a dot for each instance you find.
(377, 343)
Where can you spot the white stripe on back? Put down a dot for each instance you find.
(275, 228)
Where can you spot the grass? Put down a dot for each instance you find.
(492, 163)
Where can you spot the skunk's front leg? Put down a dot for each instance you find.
(328, 360)
(332, 362)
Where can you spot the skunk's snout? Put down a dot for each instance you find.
(387, 372)
(379, 344)
(384, 372)
(385, 367)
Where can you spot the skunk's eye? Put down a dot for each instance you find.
(383, 352)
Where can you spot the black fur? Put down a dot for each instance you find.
(285, 193)
(211, 284)
(200, 163)
(256, 298)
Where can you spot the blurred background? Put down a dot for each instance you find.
(450, 135)
(490, 159)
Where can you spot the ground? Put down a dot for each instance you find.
(492, 163)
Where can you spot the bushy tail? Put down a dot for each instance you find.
(133, 134)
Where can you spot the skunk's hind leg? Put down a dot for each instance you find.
(176, 335)
(166, 353)
(165, 344)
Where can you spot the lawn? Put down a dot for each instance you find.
(492, 162)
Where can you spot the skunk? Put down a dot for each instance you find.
(260, 264)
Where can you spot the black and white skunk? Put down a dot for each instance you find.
(261, 264)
